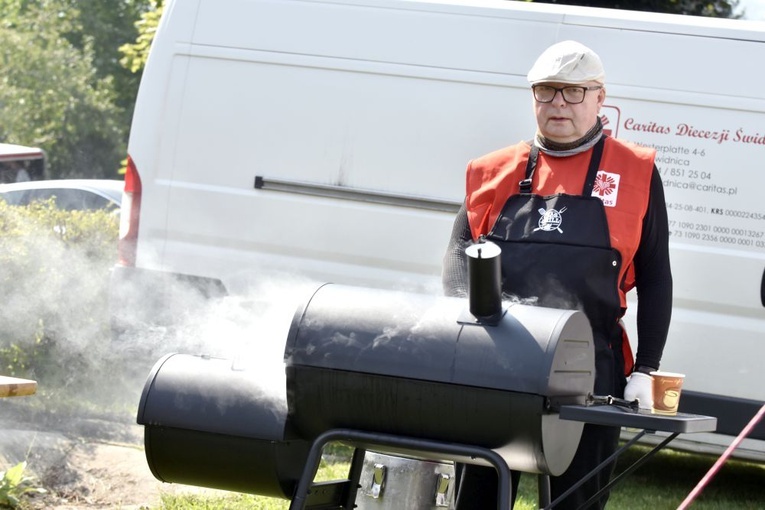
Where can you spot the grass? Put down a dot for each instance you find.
(327, 471)
(666, 480)
(661, 484)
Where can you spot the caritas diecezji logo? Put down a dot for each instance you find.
(606, 188)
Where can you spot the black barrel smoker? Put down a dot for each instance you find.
(430, 377)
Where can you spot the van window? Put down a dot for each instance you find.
(69, 199)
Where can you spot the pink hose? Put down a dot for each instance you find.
(716, 467)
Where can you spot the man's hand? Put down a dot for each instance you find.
(640, 386)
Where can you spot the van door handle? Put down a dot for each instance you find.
(762, 289)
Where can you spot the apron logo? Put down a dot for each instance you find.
(606, 188)
(550, 220)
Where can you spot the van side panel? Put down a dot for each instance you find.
(315, 111)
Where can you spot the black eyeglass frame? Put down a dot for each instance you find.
(562, 91)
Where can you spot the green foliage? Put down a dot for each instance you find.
(54, 268)
(109, 25)
(53, 94)
(14, 484)
(135, 54)
(708, 8)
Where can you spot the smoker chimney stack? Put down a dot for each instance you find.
(485, 281)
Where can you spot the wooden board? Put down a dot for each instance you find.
(15, 387)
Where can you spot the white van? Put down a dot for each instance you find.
(329, 138)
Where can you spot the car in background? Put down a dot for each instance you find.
(21, 163)
(70, 194)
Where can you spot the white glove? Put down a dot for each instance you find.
(640, 386)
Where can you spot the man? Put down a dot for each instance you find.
(581, 220)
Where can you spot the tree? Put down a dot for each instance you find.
(708, 8)
(135, 54)
(51, 94)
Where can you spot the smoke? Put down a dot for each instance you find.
(91, 349)
(249, 330)
(57, 327)
(54, 266)
(547, 291)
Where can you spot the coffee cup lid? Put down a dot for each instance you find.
(661, 373)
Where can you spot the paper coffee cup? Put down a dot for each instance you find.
(666, 392)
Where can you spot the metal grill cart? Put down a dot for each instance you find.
(343, 494)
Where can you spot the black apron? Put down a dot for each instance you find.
(557, 253)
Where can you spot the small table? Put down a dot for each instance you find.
(15, 387)
(619, 417)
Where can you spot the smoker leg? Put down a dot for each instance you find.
(505, 496)
(309, 473)
(354, 475)
(337, 495)
(544, 490)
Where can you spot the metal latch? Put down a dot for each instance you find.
(608, 400)
(378, 480)
(442, 489)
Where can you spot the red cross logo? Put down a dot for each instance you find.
(604, 185)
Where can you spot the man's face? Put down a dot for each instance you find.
(565, 122)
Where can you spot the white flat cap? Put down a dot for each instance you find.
(567, 62)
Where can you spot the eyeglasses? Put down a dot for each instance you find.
(571, 94)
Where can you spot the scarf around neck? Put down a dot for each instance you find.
(560, 150)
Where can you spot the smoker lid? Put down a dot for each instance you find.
(535, 350)
(219, 399)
